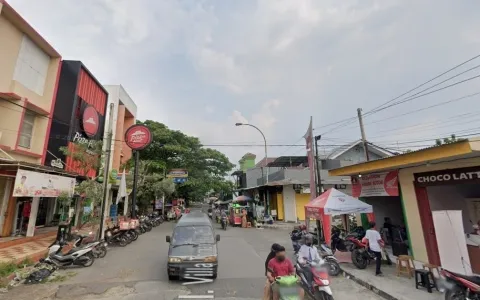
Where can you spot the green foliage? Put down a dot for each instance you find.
(64, 199)
(450, 140)
(171, 149)
(86, 156)
(92, 194)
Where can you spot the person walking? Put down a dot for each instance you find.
(375, 243)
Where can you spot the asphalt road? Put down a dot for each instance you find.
(138, 271)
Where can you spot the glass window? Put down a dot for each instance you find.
(26, 132)
(193, 234)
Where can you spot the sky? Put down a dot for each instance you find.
(200, 66)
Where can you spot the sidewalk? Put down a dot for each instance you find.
(390, 286)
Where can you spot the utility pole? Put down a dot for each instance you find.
(106, 167)
(362, 131)
(319, 167)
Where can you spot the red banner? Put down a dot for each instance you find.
(377, 184)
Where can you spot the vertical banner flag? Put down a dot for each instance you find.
(122, 189)
(309, 141)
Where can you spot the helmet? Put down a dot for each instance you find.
(308, 238)
(302, 227)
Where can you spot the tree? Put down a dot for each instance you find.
(86, 157)
(450, 140)
(171, 149)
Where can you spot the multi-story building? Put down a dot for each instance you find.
(124, 116)
(78, 116)
(29, 69)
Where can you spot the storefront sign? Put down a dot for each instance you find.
(158, 204)
(450, 176)
(34, 184)
(57, 163)
(177, 173)
(138, 137)
(377, 184)
(90, 121)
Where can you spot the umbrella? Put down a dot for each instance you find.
(243, 198)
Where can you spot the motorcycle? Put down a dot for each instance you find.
(461, 287)
(362, 256)
(314, 279)
(224, 223)
(99, 250)
(327, 254)
(346, 244)
(81, 256)
(116, 236)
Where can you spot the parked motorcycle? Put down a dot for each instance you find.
(314, 279)
(99, 250)
(461, 287)
(327, 254)
(362, 256)
(81, 256)
(346, 244)
(116, 236)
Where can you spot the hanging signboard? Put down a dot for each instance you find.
(35, 184)
(138, 137)
(377, 184)
(177, 173)
(158, 203)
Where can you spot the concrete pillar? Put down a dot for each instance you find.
(33, 217)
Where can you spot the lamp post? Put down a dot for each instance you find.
(265, 180)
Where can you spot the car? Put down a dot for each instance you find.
(193, 252)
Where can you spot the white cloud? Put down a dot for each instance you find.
(229, 62)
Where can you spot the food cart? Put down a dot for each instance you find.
(236, 214)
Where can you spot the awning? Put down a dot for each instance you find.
(333, 202)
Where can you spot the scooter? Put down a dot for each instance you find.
(314, 279)
(115, 236)
(332, 262)
(345, 244)
(287, 288)
(99, 250)
(81, 256)
(460, 286)
(224, 223)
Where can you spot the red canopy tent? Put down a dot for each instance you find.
(332, 203)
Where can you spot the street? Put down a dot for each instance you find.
(138, 271)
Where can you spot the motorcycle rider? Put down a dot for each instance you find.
(273, 250)
(223, 216)
(310, 253)
(280, 266)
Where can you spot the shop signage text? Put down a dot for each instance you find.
(79, 138)
(138, 137)
(177, 173)
(377, 184)
(57, 163)
(34, 184)
(450, 176)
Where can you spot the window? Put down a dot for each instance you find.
(26, 131)
(32, 66)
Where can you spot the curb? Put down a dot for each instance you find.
(367, 285)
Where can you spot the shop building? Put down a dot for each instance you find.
(78, 115)
(289, 178)
(124, 116)
(438, 190)
(28, 85)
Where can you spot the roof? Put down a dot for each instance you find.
(288, 161)
(16, 19)
(459, 150)
(248, 155)
(371, 147)
(263, 163)
(237, 173)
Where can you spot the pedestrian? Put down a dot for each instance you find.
(375, 243)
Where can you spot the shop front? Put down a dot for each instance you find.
(439, 195)
(33, 204)
(449, 203)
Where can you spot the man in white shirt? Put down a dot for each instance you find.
(308, 251)
(375, 243)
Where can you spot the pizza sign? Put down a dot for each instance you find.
(90, 121)
(138, 137)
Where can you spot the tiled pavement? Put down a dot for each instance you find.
(20, 251)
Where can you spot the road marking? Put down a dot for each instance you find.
(210, 292)
(196, 297)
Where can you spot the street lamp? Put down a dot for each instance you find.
(265, 180)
